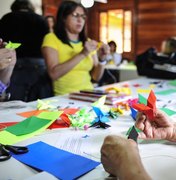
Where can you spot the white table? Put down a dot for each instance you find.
(159, 158)
(126, 71)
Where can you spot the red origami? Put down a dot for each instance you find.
(150, 109)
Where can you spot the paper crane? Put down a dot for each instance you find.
(148, 109)
(100, 120)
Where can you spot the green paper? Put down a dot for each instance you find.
(27, 126)
(169, 112)
(9, 138)
(142, 99)
(173, 82)
(11, 45)
(166, 92)
(129, 130)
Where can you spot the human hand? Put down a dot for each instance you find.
(89, 46)
(7, 58)
(120, 158)
(159, 128)
(104, 52)
(2, 43)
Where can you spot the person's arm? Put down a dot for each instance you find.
(99, 62)
(120, 157)
(161, 127)
(7, 63)
(56, 69)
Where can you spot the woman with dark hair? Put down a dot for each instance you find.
(72, 59)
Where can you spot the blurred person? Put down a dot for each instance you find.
(72, 59)
(161, 64)
(115, 155)
(29, 80)
(51, 22)
(116, 57)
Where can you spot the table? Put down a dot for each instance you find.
(126, 71)
(158, 157)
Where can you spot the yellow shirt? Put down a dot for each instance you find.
(79, 77)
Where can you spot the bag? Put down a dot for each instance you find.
(152, 65)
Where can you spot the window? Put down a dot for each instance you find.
(116, 25)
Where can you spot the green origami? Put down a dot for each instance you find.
(11, 45)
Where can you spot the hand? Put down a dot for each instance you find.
(120, 158)
(89, 46)
(7, 58)
(159, 128)
(104, 52)
(2, 44)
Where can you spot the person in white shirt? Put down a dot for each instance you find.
(116, 57)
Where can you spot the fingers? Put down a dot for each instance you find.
(8, 57)
(140, 120)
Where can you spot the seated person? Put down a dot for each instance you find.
(115, 155)
(116, 58)
(158, 65)
(7, 63)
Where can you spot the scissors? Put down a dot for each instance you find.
(6, 149)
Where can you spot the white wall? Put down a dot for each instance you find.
(5, 6)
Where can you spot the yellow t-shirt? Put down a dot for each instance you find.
(79, 77)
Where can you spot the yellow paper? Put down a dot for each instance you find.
(144, 91)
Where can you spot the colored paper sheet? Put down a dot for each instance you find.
(166, 92)
(27, 126)
(31, 113)
(7, 124)
(173, 82)
(62, 164)
(9, 138)
(143, 90)
(53, 115)
(169, 112)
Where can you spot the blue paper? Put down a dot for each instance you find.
(100, 115)
(60, 163)
(133, 113)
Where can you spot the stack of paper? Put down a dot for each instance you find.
(111, 98)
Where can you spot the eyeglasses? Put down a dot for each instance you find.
(77, 15)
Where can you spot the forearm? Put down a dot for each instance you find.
(5, 74)
(134, 172)
(61, 69)
(97, 72)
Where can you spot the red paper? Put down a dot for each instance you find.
(148, 109)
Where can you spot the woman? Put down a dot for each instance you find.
(71, 58)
